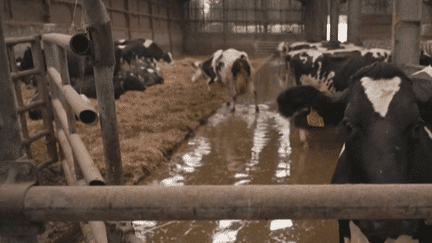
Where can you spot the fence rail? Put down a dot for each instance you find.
(397, 201)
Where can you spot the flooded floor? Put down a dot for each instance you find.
(247, 148)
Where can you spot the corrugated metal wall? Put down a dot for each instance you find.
(159, 20)
(216, 24)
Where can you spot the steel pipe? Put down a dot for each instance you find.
(83, 110)
(61, 40)
(68, 161)
(86, 163)
(17, 75)
(78, 43)
(18, 40)
(35, 137)
(30, 106)
(72, 203)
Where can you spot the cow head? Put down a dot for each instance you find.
(147, 73)
(385, 115)
(167, 57)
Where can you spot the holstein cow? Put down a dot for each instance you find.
(235, 72)
(78, 66)
(130, 50)
(208, 69)
(386, 117)
(147, 73)
(329, 70)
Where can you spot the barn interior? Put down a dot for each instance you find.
(152, 126)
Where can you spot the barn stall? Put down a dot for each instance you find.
(242, 25)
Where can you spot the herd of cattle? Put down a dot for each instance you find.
(385, 113)
(386, 116)
(135, 69)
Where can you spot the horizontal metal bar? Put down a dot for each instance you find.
(75, 203)
(46, 163)
(21, 74)
(30, 106)
(35, 137)
(18, 40)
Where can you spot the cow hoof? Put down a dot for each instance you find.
(256, 109)
(228, 103)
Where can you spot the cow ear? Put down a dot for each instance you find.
(422, 87)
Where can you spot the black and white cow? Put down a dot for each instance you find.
(147, 73)
(235, 72)
(208, 69)
(128, 51)
(78, 66)
(88, 87)
(387, 120)
(328, 70)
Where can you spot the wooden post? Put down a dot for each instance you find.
(354, 18)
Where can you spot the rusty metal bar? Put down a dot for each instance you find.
(103, 54)
(397, 201)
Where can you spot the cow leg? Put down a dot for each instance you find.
(302, 136)
(234, 98)
(252, 87)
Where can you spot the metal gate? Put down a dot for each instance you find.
(24, 206)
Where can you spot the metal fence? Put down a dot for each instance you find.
(243, 16)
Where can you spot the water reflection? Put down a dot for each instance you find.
(248, 148)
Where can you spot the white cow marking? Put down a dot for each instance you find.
(380, 92)
(303, 59)
(149, 70)
(147, 43)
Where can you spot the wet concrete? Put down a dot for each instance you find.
(245, 148)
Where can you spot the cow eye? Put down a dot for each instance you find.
(415, 130)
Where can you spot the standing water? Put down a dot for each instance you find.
(247, 148)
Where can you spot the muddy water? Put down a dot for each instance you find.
(243, 149)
